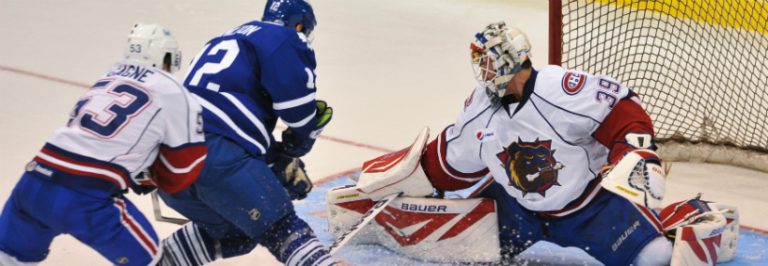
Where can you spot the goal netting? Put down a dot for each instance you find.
(701, 67)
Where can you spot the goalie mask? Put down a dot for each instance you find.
(498, 53)
(153, 44)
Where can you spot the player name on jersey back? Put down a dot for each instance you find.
(245, 30)
(136, 72)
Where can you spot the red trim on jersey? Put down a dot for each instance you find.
(136, 228)
(481, 188)
(187, 161)
(626, 117)
(593, 188)
(81, 163)
(76, 172)
(440, 172)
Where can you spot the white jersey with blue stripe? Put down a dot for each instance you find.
(249, 77)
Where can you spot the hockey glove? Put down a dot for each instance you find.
(296, 145)
(639, 176)
(692, 222)
(292, 175)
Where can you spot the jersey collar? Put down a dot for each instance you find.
(527, 91)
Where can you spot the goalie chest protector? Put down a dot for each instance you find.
(542, 152)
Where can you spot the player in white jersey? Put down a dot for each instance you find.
(137, 128)
(572, 160)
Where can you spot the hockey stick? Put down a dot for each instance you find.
(365, 220)
(159, 215)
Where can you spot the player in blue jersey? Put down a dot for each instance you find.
(246, 79)
(135, 117)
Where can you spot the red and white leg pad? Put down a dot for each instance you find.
(704, 232)
(439, 230)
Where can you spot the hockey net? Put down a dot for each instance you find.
(699, 66)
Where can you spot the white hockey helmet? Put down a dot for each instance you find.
(153, 44)
(498, 53)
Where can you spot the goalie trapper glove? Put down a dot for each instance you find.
(292, 175)
(297, 145)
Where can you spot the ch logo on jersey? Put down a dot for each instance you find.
(530, 166)
(573, 82)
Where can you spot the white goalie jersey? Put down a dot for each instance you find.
(543, 152)
(132, 118)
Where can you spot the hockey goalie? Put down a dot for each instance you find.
(545, 154)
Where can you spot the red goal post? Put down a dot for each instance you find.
(700, 66)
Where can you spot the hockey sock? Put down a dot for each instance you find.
(188, 246)
(294, 243)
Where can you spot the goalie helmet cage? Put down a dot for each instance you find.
(698, 65)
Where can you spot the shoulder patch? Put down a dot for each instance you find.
(573, 82)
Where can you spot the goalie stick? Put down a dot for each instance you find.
(159, 215)
(365, 220)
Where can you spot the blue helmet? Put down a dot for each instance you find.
(290, 13)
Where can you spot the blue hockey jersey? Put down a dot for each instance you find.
(249, 77)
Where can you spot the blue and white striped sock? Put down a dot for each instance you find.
(189, 246)
(295, 244)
